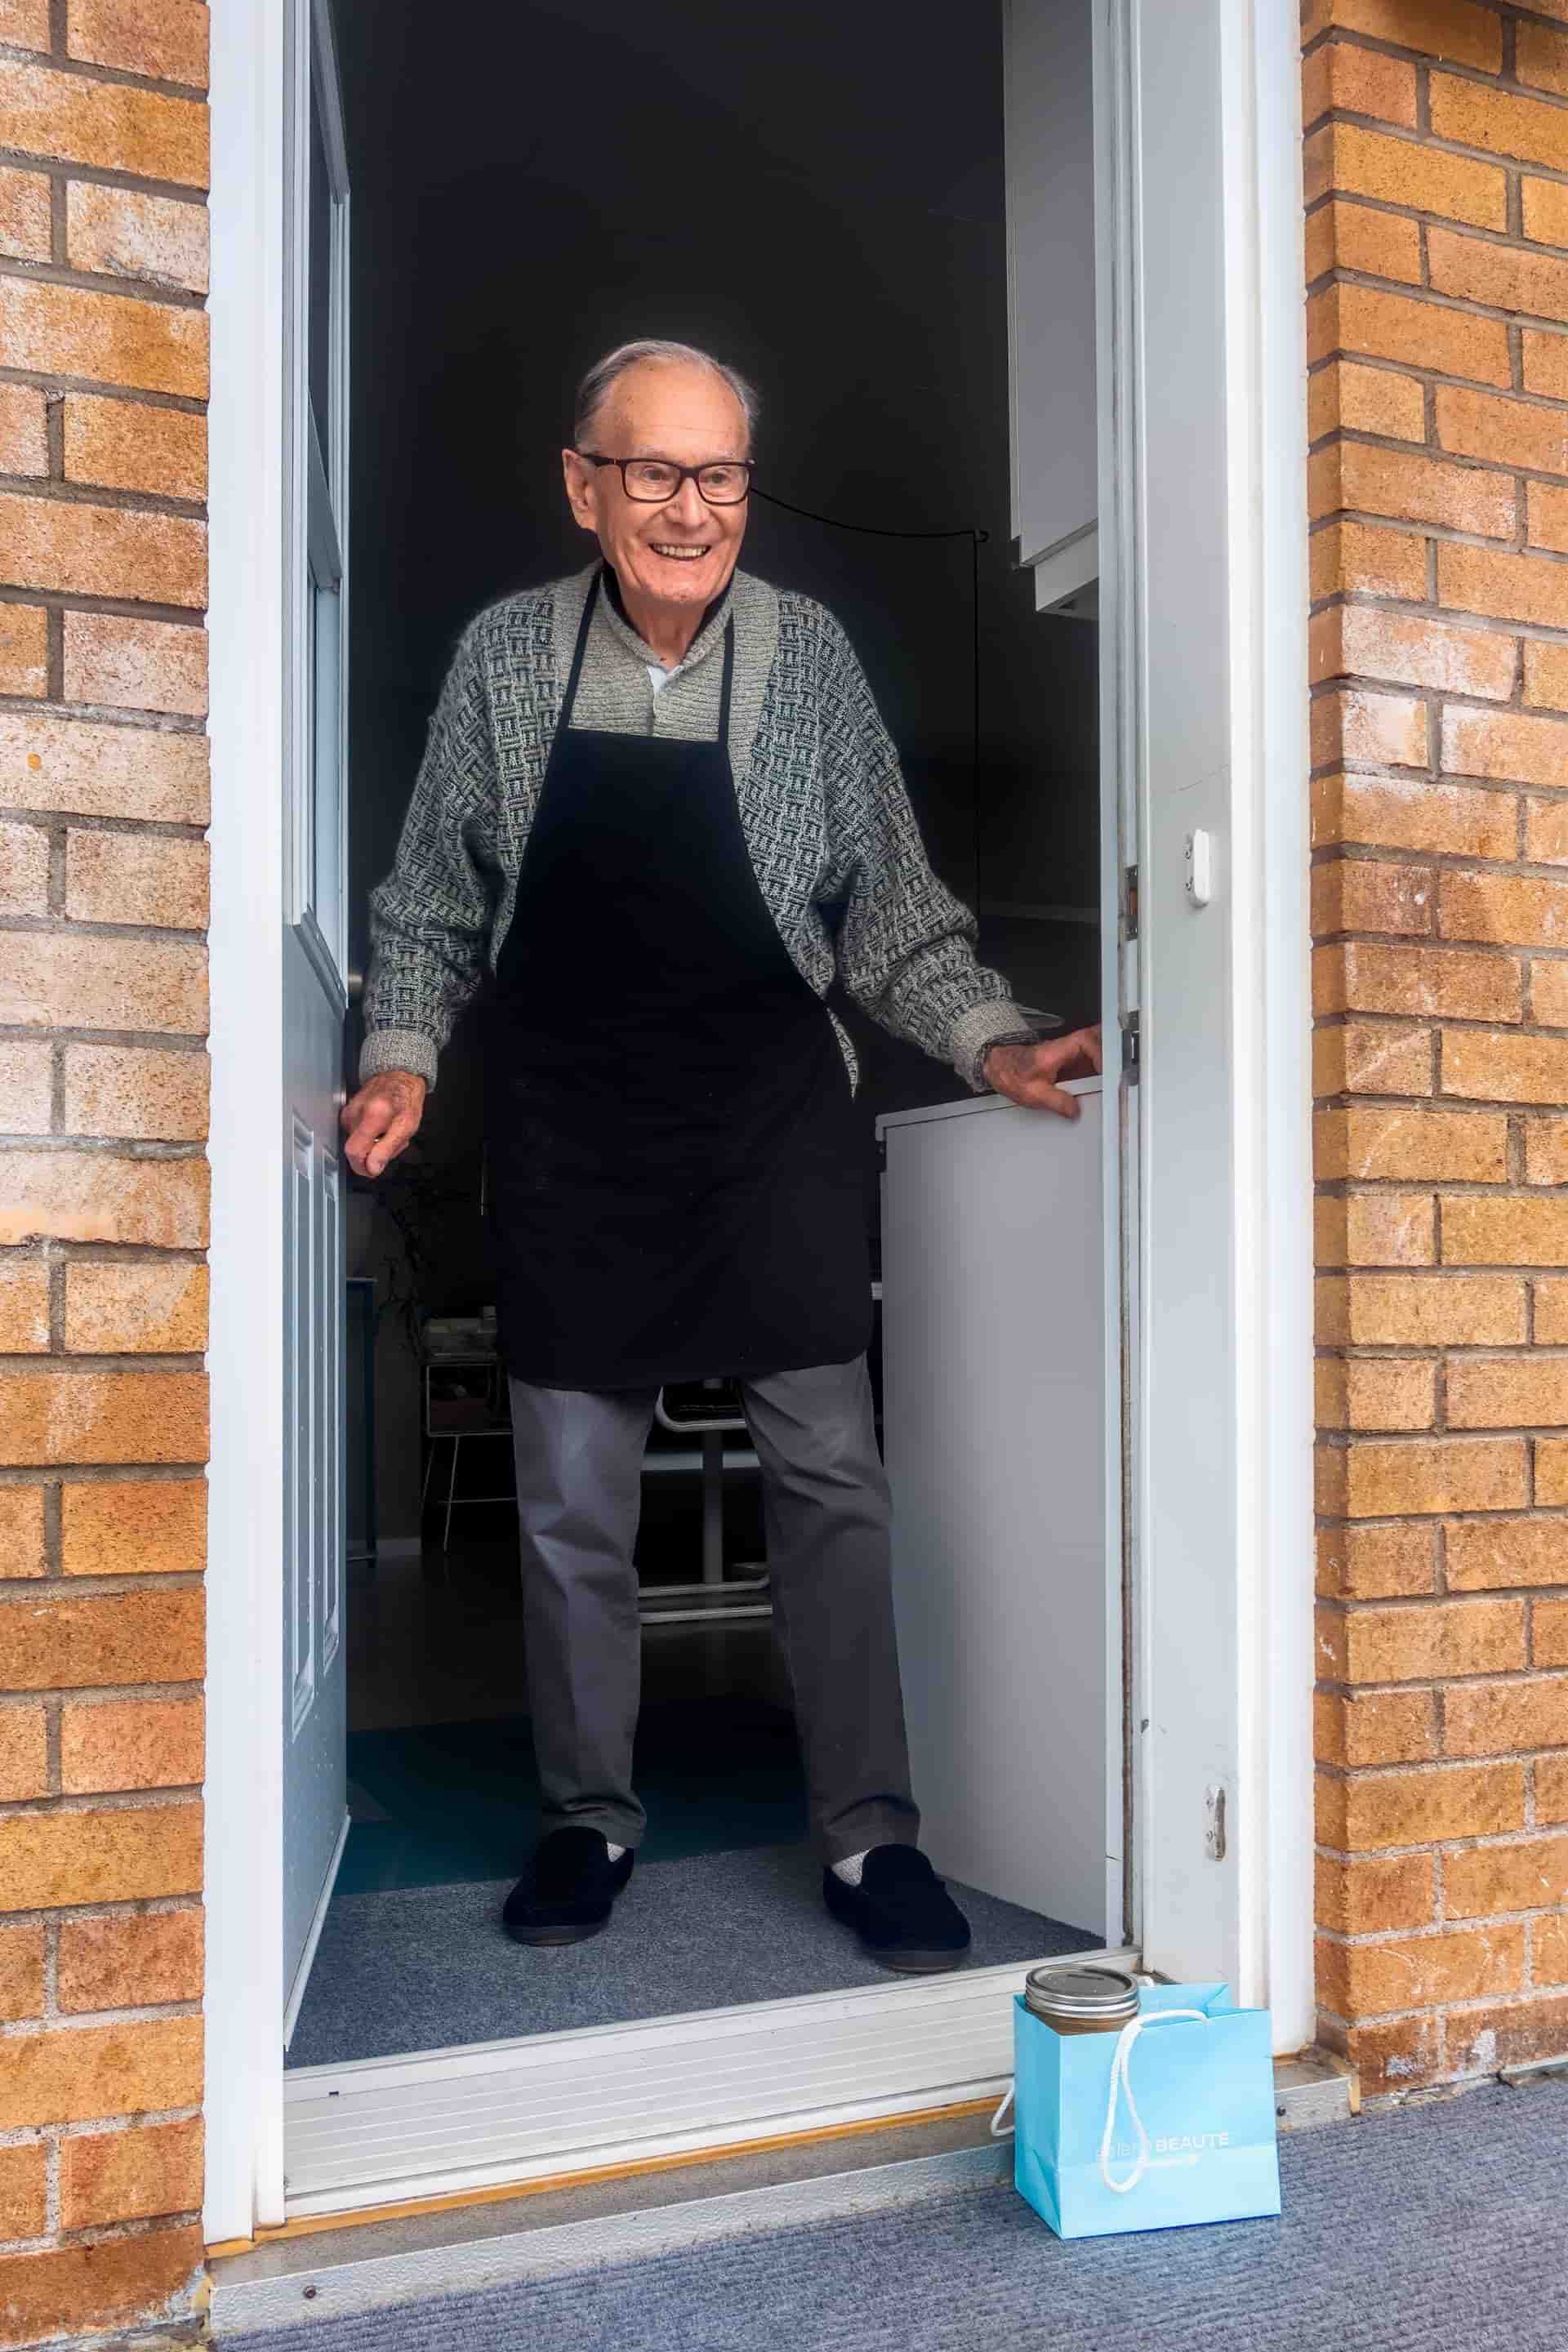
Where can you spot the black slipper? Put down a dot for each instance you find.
(901, 1912)
(569, 1891)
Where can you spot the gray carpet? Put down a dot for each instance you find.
(423, 1968)
(1437, 2229)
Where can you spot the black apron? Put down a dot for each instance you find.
(676, 1174)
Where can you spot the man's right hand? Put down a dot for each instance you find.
(382, 1120)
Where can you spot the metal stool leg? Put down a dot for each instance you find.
(451, 1490)
(712, 1507)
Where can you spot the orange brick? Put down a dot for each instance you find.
(1491, 1878)
(1550, 1470)
(21, 1972)
(1360, 1898)
(1546, 833)
(1545, 210)
(1384, 729)
(1507, 587)
(1522, 910)
(1362, 977)
(1371, 1563)
(1501, 1719)
(24, 869)
(1425, 1640)
(133, 1527)
(75, 2074)
(120, 233)
(24, 2201)
(136, 1090)
(1541, 57)
(1472, 115)
(21, 1531)
(1358, 81)
(1361, 895)
(1370, 1980)
(136, 877)
(127, 445)
(1364, 322)
(1549, 994)
(107, 337)
(108, 1417)
(142, 664)
(159, 1308)
(1372, 1812)
(23, 1307)
(1397, 2054)
(1507, 1392)
(1375, 1229)
(84, 551)
(1546, 674)
(1552, 1319)
(153, 2276)
(1409, 1140)
(1545, 359)
(1506, 431)
(50, 979)
(117, 1854)
(24, 1753)
(1506, 277)
(129, 1960)
(1363, 399)
(1381, 1479)
(71, 765)
(1516, 1231)
(1386, 1393)
(24, 24)
(1489, 1065)
(1351, 1059)
(1549, 1626)
(1551, 1777)
(1469, 1310)
(1548, 1950)
(26, 230)
(23, 647)
(1484, 1554)
(1456, 30)
(164, 39)
(1482, 2039)
(129, 2176)
(93, 1641)
(1355, 559)
(1548, 516)
(1377, 1727)
(117, 1744)
(75, 118)
(1370, 643)
(1411, 489)
(1378, 245)
(1401, 813)
(1546, 1151)
(1347, 159)
(76, 1196)
(24, 438)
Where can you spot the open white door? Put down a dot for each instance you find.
(314, 1005)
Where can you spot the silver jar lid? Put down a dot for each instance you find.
(1102, 1995)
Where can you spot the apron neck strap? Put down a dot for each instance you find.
(579, 650)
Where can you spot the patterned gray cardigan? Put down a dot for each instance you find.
(823, 806)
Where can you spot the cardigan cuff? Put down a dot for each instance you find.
(398, 1049)
(1000, 1023)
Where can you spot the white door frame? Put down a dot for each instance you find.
(1230, 1710)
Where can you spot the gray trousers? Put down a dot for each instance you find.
(825, 1515)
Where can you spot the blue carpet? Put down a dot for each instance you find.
(424, 1968)
(1437, 2229)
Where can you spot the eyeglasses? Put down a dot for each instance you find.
(652, 481)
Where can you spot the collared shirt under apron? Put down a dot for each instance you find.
(676, 1172)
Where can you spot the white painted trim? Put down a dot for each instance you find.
(318, 1921)
(1062, 572)
(245, 1992)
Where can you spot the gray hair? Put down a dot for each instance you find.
(605, 374)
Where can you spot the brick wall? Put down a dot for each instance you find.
(1437, 187)
(103, 152)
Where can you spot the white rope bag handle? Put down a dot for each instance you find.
(1121, 2085)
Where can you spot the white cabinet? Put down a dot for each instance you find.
(993, 1398)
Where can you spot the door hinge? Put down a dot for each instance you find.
(1213, 1823)
(1129, 903)
(1130, 1061)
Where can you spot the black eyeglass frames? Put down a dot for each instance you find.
(651, 481)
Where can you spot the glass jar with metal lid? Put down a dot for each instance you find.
(1082, 2000)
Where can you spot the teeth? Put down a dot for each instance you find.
(685, 554)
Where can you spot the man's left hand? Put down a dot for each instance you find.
(1028, 1073)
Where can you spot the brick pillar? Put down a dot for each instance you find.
(1437, 188)
(102, 1182)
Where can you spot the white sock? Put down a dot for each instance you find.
(849, 1869)
(614, 1851)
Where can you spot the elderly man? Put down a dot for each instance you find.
(658, 802)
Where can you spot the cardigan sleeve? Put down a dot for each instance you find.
(905, 944)
(430, 919)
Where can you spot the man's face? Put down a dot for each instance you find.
(681, 552)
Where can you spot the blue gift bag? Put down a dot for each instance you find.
(1169, 2122)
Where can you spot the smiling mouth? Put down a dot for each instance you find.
(679, 553)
